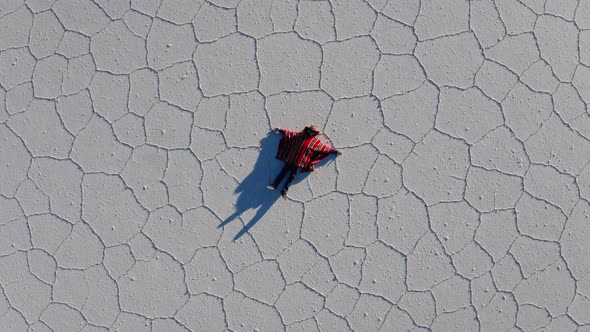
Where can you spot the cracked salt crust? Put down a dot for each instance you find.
(131, 129)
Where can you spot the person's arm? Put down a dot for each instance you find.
(331, 150)
(320, 152)
(324, 150)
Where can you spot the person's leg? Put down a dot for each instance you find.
(294, 170)
(280, 177)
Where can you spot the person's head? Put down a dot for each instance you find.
(311, 130)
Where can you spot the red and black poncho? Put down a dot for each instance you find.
(295, 148)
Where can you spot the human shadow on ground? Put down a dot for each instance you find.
(252, 190)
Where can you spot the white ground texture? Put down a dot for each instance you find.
(130, 130)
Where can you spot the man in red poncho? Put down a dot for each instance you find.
(300, 151)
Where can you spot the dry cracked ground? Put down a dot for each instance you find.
(129, 130)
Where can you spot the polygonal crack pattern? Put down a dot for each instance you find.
(131, 129)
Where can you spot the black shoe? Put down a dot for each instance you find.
(284, 193)
(271, 187)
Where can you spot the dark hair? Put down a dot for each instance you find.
(312, 129)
